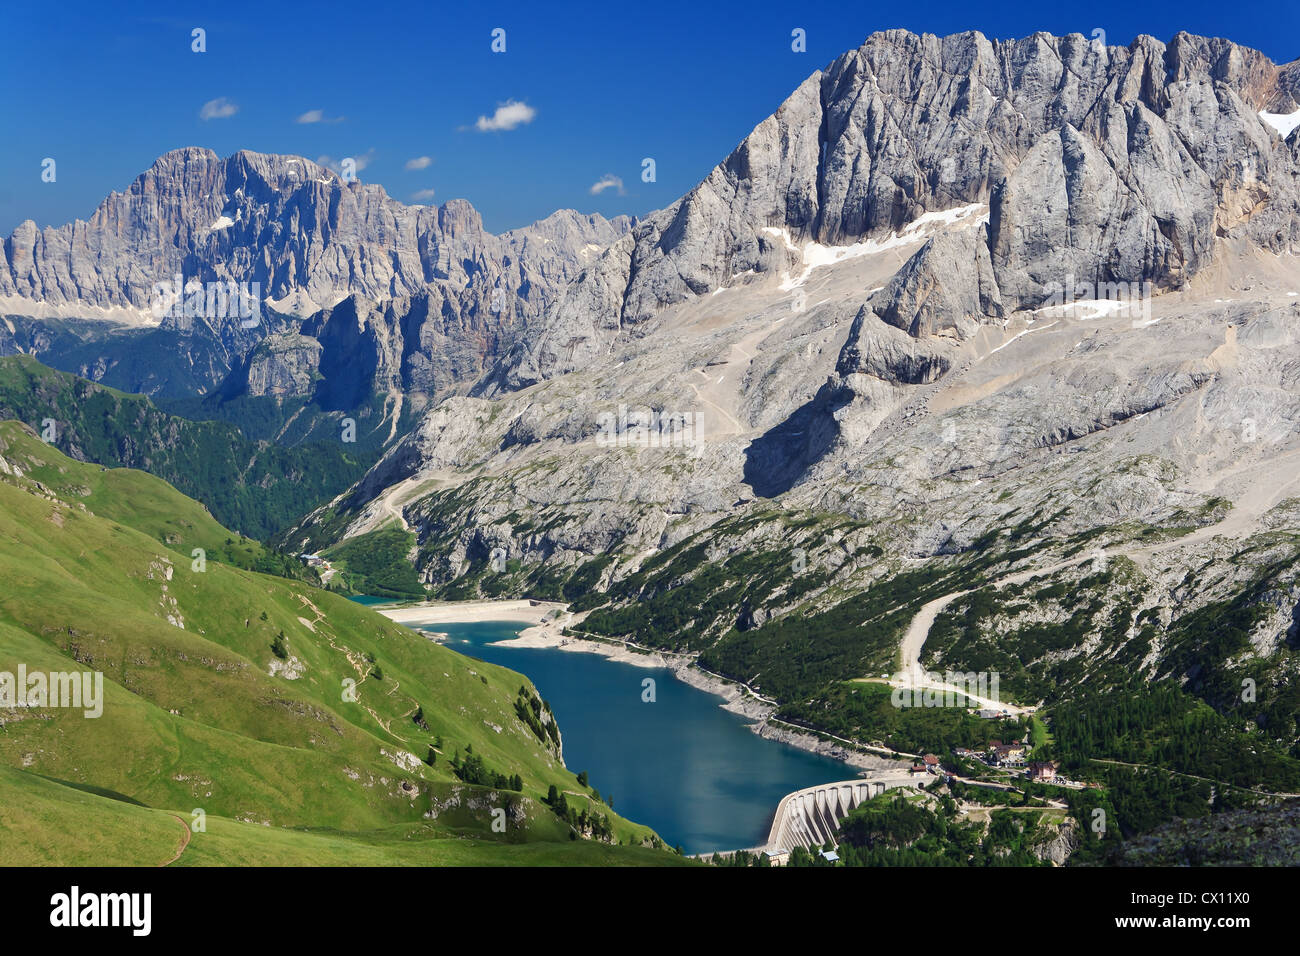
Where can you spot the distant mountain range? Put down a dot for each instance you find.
(360, 295)
(975, 355)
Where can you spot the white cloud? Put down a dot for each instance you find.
(220, 108)
(608, 181)
(422, 195)
(508, 116)
(420, 162)
(318, 116)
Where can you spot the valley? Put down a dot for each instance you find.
(946, 429)
(291, 748)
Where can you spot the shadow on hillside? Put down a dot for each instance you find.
(777, 459)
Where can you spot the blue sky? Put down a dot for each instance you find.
(104, 92)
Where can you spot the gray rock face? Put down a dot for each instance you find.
(283, 366)
(1099, 165)
(584, 320)
(1064, 212)
(293, 226)
(1286, 98)
(309, 240)
(910, 387)
(881, 351)
(946, 289)
(420, 346)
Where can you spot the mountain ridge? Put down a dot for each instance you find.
(908, 125)
(1039, 375)
(204, 187)
(300, 241)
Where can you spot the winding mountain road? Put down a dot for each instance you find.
(1267, 490)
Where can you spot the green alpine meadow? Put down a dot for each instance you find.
(278, 723)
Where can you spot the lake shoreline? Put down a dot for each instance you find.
(736, 698)
(546, 623)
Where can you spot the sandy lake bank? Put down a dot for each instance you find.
(471, 612)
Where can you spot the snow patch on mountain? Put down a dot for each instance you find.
(815, 255)
(1284, 123)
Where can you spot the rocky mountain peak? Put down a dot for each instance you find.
(307, 241)
(1108, 164)
(285, 222)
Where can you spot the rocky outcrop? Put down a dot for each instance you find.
(946, 289)
(881, 351)
(1254, 837)
(577, 331)
(283, 366)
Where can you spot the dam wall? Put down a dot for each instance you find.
(812, 816)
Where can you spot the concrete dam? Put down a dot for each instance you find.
(811, 817)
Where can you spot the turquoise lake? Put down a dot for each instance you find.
(682, 765)
(371, 601)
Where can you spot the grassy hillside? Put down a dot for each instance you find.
(257, 487)
(375, 563)
(299, 722)
(53, 823)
